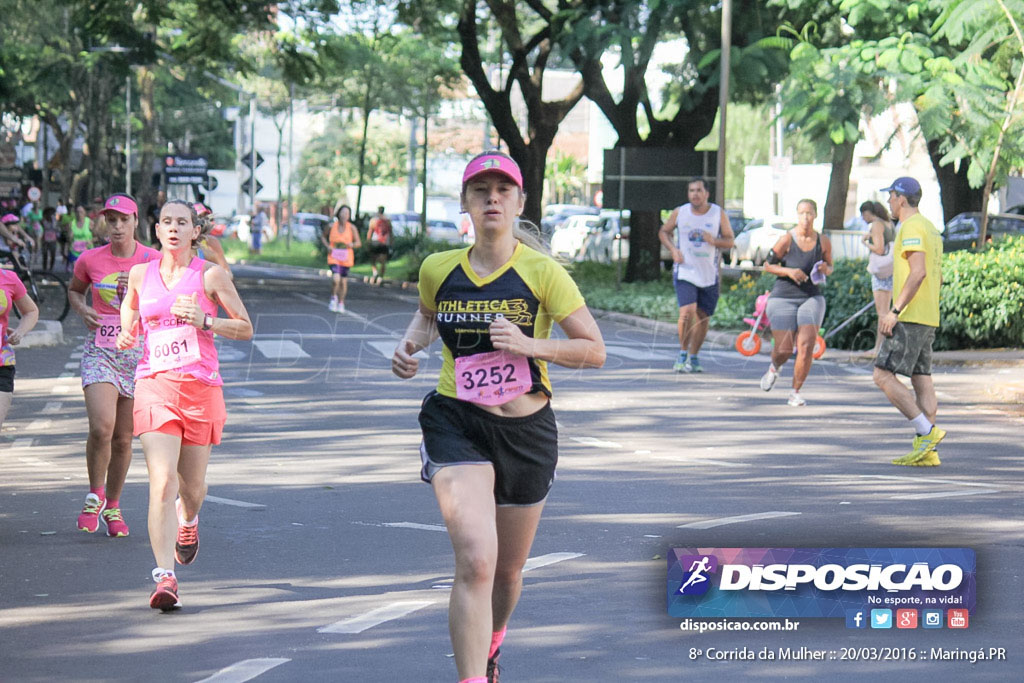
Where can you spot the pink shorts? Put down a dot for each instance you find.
(180, 405)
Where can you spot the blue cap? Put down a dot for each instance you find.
(905, 185)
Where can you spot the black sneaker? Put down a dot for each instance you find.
(493, 670)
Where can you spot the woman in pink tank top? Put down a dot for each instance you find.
(179, 406)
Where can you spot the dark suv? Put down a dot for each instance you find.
(963, 230)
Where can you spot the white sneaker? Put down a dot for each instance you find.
(333, 306)
(340, 308)
(796, 400)
(768, 378)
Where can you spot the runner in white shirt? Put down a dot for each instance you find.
(701, 229)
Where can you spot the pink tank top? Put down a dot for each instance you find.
(171, 345)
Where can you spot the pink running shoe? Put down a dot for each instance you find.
(115, 523)
(89, 520)
(165, 596)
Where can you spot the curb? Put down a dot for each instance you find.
(45, 333)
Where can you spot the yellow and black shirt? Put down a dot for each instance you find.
(530, 290)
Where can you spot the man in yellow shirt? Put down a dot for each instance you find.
(910, 326)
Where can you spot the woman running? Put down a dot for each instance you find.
(341, 243)
(801, 259)
(81, 234)
(490, 443)
(108, 373)
(179, 409)
(209, 247)
(12, 293)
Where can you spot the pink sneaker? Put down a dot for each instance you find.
(115, 523)
(89, 520)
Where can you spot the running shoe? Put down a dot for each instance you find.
(186, 546)
(493, 670)
(680, 364)
(165, 596)
(929, 460)
(333, 306)
(89, 520)
(693, 365)
(796, 400)
(923, 445)
(114, 521)
(768, 378)
(340, 307)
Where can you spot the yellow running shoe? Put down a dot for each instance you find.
(929, 460)
(923, 445)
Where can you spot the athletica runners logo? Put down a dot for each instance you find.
(696, 581)
(491, 163)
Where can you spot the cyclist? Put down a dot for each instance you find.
(490, 442)
(179, 409)
(108, 374)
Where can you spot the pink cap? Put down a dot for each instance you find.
(121, 204)
(493, 162)
(9, 218)
(201, 209)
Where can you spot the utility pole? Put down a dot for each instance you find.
(252, 155)
(723, 100)
(291, 161)
(128, 134)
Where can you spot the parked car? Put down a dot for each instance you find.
(219, 228)
(568, 239)
(308, 227)
(963, 230)
(402, 224)
(552, 222)
(443, 230)
(757, 238)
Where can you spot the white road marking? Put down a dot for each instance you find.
(414, 525)
(387, 349)
(245, 670)
(353, 314)
(699, 461)
(927, 481)
(77, 355)
(636, 353)
(62, 388)
(943, 494)
(596, 443)
(71, 366)
(51, 408)
(550, 558)
(39, 425)
(722, 521)
(235, 503)
(35, 462)
(395, 610)
(24, 442)
(279, 349)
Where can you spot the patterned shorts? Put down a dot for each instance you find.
(110, 366)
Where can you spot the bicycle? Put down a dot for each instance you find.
(46, 289)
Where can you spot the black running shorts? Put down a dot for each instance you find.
(523, 450)
(7, 378)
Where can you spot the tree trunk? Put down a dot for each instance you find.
(956, 193)
(362, 155)
(147, 109)
(838, 187)
(644, 247)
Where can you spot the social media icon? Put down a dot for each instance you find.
(957, 618)
(906, 618)
(931, 618)
(881, 618)
(856, 618)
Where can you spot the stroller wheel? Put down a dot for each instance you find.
(819, 347)
(748, 343)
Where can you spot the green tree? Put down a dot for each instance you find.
(566, 176)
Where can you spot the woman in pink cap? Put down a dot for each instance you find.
(12, 295)
(179, 409)
(490, 443)
(108, 373)
(209, 247)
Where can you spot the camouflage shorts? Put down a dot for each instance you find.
(908, 351)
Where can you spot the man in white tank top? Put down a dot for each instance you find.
(701, 229)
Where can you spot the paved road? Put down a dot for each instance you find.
(323, 557)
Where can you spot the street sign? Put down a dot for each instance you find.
(247, 159)
(34, 194)
(211, 183)
(247, 186)
(185, 169)
(10, 181)
(653, 178)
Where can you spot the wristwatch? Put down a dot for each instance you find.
(897, 311)
(207, 322)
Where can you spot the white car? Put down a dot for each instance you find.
(567, 240)
(445, 231)
(757, 238)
